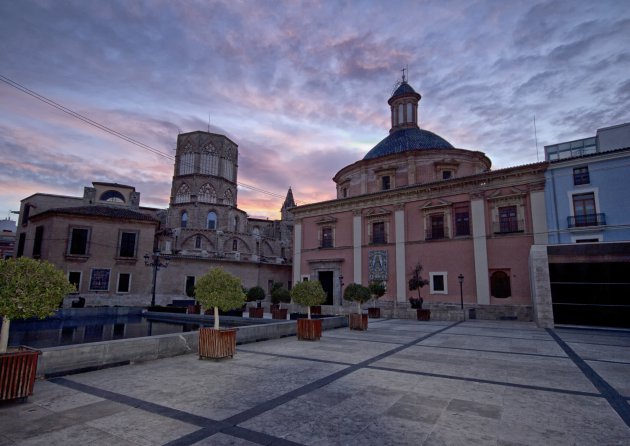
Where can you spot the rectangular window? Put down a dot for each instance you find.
(327, 237)
(385, 182)
(20, 248)
(198, 242)
(190, 286)
(584, 209)
(127, 244)
(462, 222)
(507, 219)
(124, 282)
(437, 282)
(446, 174)
(581, 176)
(79, 241)
(74, 277)
(234, 245)
(378, 232)
(99, 281)
(437, 227)
(37, 245)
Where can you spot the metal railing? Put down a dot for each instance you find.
(576, 221)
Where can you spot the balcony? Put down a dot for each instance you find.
(508, 226)
(580, 221)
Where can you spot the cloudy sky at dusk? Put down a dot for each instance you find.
(301, 87)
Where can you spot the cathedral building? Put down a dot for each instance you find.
(105, 239)
(416, 199)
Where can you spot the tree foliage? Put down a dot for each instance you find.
(280, 294)
(31, 288)
(357, 293)
(218, 288)
(377, 288)
(308, 293)
(255, 293)
(416, 282)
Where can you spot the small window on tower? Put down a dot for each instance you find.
(385, 183)
(446, 174)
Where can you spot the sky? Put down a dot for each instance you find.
(300, 86)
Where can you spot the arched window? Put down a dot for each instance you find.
(236, 221)
(184, 219)
(183, 194)
(211, 221)
(186, 163)
(113, 196)
(500, 285)
(209, 160)
(207, 194)
(256, 231)
(198, 242)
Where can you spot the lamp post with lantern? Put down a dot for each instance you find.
(156, 261)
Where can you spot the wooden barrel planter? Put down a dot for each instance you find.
(374, 313)
(256, 312)
(309, 329)
(423, 315)
(316, 309)
(358, 321)
(216, 344)
(279, 313)
(17, 373)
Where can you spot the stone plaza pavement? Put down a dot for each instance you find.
(402, 382)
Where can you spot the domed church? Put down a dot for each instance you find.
(415, 199)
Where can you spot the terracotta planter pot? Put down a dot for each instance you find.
(424, 315)
(256, 312)
(316, 309)
(358, 321)
(17, 373)
(309, 329)
(279, 313)
(217, 344)
(374, 313)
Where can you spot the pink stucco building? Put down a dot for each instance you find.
(414, 198)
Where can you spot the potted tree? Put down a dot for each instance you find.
(377, 288)
(416, 282)
(256, 294)
(359, 294)
(307, 294)
(279, 295)
(220, 290)
(28, 288)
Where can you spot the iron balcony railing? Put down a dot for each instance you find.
(576, 221)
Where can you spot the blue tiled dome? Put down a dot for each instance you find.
(403, 88)
(404, 140)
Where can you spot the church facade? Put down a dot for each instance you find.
(414, 199)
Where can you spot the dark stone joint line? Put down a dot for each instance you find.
(616, 401)
(487, 381)
(301, 358)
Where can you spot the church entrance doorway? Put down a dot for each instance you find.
(326, 279)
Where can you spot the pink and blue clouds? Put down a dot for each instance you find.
(301, 87)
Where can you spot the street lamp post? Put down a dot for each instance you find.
(461, 292)
(155, 261)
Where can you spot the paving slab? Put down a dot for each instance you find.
(401, 382)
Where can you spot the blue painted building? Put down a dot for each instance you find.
(587, 199)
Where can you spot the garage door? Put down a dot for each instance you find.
(596, 294)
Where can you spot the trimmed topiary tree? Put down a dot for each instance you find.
(280, 294)
(221, 290)
(416, 282)
(357, 293)
(29, 288)
(255, 293)
(308, 293)
(377, 289)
